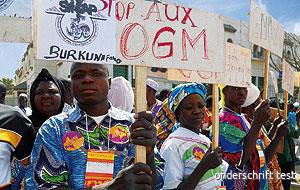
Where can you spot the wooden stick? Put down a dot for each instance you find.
(266, 75)
(215, 115)
(285, 115)
(140, 105)
(285, 110)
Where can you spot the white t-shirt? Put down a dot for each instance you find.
(182, 152)
(5, 152)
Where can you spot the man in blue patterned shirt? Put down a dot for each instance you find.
(63, 143)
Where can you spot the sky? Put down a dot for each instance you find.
(286, 12)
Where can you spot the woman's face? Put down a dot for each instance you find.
(191, 111)
(47, 98)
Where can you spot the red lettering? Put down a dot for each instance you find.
(124, 39)
(151, 10)
(192, 42)
(106, 5)
(129, 8)
(162, 44)
(166, 13)
(187, 16)
(118, 17)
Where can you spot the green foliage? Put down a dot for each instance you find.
(9, 83)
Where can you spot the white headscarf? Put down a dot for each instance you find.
(120, 94)
(252, 96)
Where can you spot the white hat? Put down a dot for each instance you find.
(252, 96)
(296, 104)
(152, 84)
(121, 94)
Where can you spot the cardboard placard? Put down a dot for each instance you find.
(16, 8)
(237, 70)
(265, 31)
(288, 78)
(136, 32)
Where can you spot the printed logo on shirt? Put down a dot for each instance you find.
(72, 141)
(119, 134)
(198, 152)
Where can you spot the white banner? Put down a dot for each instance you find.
(288, 78)
(81, 31)
(143, 33)
(169, 36)
(18, 8)
(265, 31)
(274, 81)
(237, 70)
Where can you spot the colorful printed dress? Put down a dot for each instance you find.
(233, 129)
(182, 152)
(59, 156)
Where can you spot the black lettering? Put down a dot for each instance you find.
(92, 9)
(118, 61)
(89, 58)
(53, 50)
(97, 57)
(63, 54)
(64, 6)
(102, 57)
(80, 8)
(81, 55)
(72, 53)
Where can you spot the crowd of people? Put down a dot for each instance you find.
(80, 134)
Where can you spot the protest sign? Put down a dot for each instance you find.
(81, 31)
(237, 70)
(129, 32)
(16, 8)
(288, 78)
(265, 31)
(297, 79)
(274, 81)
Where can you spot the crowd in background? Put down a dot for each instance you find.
(48, 144)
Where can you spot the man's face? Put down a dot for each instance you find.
(89, 83)
(235, 95)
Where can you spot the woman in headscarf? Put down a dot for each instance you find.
(46, 98)
(189, 162)
(238, 140)
(248, 108)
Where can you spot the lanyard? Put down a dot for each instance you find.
(87, 130)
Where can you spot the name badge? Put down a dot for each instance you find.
(99, 167)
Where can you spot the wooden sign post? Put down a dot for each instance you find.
(215, 115)
(266, 75)
(140, 105)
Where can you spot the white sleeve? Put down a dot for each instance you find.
(173, 174)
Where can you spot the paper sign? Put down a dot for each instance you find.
(288, 78)
(237, 70)
(82, 31)
(265, 31)
(274, 81)
(127, 32)
(17, 8)
(169, 36)
(100, 167)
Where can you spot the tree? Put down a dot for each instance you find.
(9, 83)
